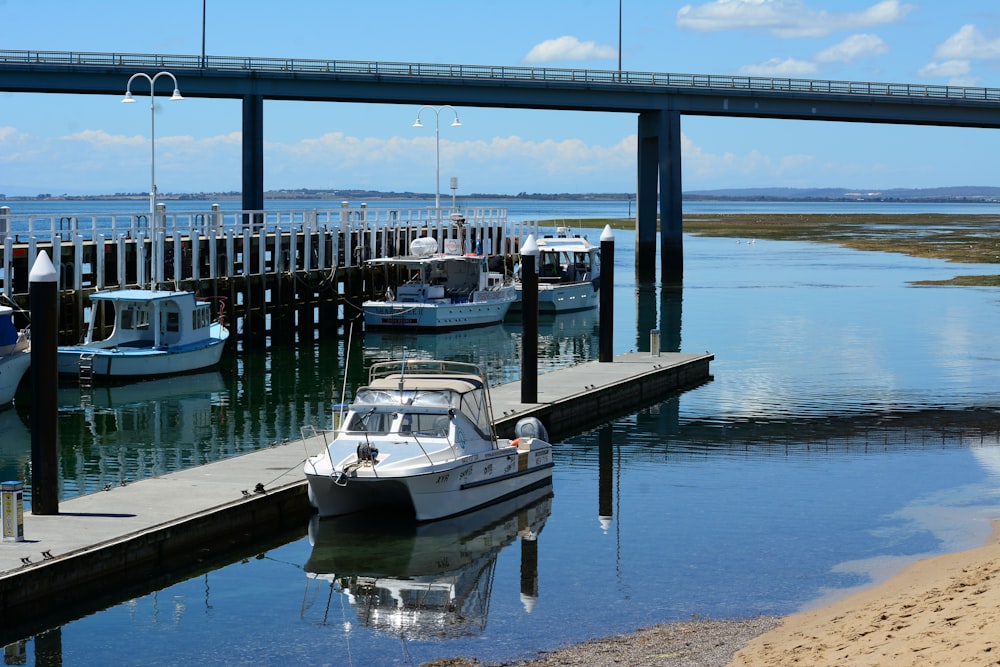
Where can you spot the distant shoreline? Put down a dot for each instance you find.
(944, 195)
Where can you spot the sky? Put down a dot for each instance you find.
(89, 144)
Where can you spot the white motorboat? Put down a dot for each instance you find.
(15, 355)
(569, 271)
(153, 332)
(420, 437)
(438, 291)
(423, 581)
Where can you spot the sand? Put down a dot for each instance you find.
(939, 611)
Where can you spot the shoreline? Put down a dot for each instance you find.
(941, 610)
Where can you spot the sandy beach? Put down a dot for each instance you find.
(939, 611)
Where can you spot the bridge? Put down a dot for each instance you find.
(657, 99)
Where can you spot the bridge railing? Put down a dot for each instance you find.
(500, 72)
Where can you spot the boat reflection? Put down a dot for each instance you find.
(565, 339)
(422, 581)
(125, 432)
(491, 348)
(15, 445)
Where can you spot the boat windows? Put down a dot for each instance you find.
(135, 318)
(370, 421)
(424, 424)
(202, 317)
(173, 322)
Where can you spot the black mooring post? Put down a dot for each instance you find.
(43, 296)
(607, 319)
(529, 321)
(529, 569)
(605, 477)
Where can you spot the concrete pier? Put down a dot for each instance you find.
(121, 539)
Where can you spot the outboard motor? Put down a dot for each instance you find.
(530, 427)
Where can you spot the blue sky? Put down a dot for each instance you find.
(93, 144)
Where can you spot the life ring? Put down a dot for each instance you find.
(515, 442)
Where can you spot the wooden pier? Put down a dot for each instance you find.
(274, 275)
(126, 540)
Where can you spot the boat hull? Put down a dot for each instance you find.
(12, 369)
(434, 316)
(564, 298)
(442, 490)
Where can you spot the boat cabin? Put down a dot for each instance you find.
(420, 405)
(563, 259)
(144, 318)
(445, 278)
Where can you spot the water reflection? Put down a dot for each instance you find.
(125, 432)
(15, 445)
(492, 348)
(422, 581)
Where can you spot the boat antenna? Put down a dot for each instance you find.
(347, 366)
(402, 374)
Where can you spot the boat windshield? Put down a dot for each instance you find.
(371, 421)
(377, 421)
(431, 398)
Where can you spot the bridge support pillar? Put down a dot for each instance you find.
(253, 153)
(659, 180)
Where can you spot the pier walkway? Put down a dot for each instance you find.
(127, 536)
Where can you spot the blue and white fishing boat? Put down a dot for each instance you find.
(569, 271)
(439, 291)
(153, 332)
(15, 355)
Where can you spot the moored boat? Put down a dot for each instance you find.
(439, 291)
(153, 333)
(15, 355)
(569, 271)
(419, 438)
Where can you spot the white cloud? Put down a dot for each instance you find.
(947, 68)
(786, 18)
(968, 44)
(703, 167)
(780, 67)
(569, 48)
(852, 48)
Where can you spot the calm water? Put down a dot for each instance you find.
(850, 427)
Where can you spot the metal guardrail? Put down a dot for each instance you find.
(499, 72)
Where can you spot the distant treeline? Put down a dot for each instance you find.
(943, 194)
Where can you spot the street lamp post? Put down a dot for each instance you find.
(437, 141)
(156, 268)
